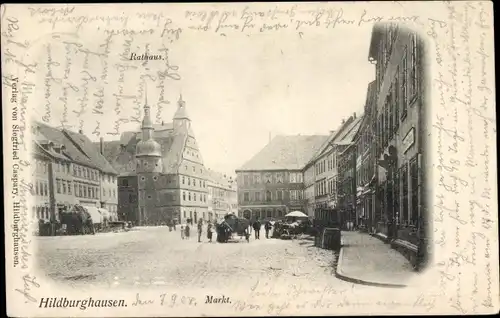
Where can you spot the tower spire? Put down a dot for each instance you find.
(181, 102)
(147, 125)
(146, 93)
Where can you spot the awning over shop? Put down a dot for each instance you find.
(97, 217)
(105, 213)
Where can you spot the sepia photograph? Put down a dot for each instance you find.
(250, 159)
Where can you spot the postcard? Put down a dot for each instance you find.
(249, 159)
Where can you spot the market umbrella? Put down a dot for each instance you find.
(296, 214)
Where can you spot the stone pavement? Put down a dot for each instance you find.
(154, 257)
(366, 260)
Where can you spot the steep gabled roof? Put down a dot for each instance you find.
(78, 147)
(91, 151)
(350, 132)
(285, 153)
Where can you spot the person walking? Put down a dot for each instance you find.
(187, 229)
(256, 228)
(209, 231)
(200, 229)
(267, 227)
(182, 231)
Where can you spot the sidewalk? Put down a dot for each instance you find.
(367, 260)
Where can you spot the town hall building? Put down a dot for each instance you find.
(161, 172)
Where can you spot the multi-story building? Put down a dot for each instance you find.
(365, 162)
(162, 175)
(43, 191)
(322, 169)
(309, 188)
(233, 197)
(69, 168)
(401, 105)
(346, 182)
(324, 166)
(221, 195)
(271, 184)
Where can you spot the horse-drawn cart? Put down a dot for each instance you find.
(230, 225)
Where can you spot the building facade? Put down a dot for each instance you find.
(69, 170)
(162, 176)
(309, 188)
(222, 196)
(401, 103)
(346, 165)
(271, 184)
(325, 180)
(365, 162)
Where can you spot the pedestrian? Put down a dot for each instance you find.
(256, 227)
(267, 227)
(187, 229)
(182, 231)
(209, 231)
(200, 229)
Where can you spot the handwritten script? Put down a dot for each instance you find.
(464, 130)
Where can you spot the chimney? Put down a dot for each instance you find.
(343, 121)
(80, 132)
(354, 115)
(101, 145)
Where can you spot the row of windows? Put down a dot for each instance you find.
(272, 195)
(194, 168)
(263, 213)
(203, 215)
(40, 212)
(402, 93)
(406, 192)
(201, 196)
(320, 188)
(80, 190)
(269, 177)
(219, 193)
(324, 165)
(42, 188)
(41, 166)
(220, 204)
(60, 166)
(78, 171)
(201, 183)
(364, 173)
(192, 153)
(84, 172)
(332, 186)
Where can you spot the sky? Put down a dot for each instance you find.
(278, 85)
(239, 88)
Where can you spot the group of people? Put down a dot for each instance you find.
(185, 230)
(257, 225)
(211, 227)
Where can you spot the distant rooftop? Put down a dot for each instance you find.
(285, 153)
